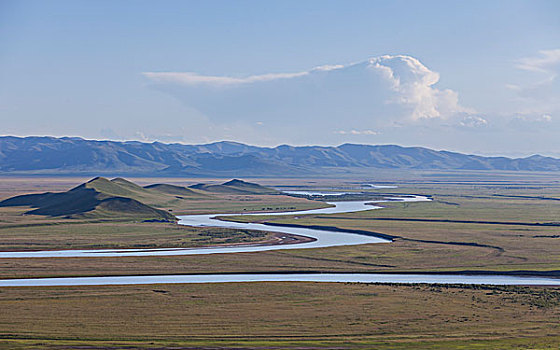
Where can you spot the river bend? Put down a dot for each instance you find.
(323, 238)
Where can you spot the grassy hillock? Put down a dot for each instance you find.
(175, 190)
(120, 198)
(235, 187)
(97, 198)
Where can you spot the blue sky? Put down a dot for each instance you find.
(482, 75)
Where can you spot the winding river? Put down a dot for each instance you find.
(322, 238)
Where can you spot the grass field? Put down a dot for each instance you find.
(21, 231)
(503, 243)
(288, 315)
(484, 222)
(467, 227)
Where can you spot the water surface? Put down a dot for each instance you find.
(311, 277)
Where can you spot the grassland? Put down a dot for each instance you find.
(467, 227)
(110, 235)
(480, 222)
(419, 247)
(100, 228)
(281, 315)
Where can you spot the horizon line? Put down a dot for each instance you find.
(279, 145)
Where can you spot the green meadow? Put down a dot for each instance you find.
(508, 225)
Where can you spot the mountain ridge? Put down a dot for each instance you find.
(73, 155)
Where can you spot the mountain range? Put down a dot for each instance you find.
(71, 156)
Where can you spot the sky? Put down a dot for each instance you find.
(470, 76)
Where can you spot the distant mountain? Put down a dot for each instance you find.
(49, 155)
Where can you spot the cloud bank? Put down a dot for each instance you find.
(379, 92)
(385, 99)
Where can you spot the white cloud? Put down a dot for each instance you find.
(544, 118)
(537, 94)
(189, 78)
(473, 121)
(413, 83)
(398, 88)
(328, 67)
(357, 132)
(545, 62)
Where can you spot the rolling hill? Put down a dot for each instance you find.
(58, 156)
(235, 187)
(120, 198)
(97, 198)
(174, 190)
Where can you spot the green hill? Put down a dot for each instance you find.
(119, 198)
(175, 190)
(235, 187)
(97, 198)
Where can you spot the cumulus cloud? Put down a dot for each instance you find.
(385, 90)
(413, 82)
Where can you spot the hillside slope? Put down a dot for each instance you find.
(175, 190)
(235, 187)
(97, 198)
